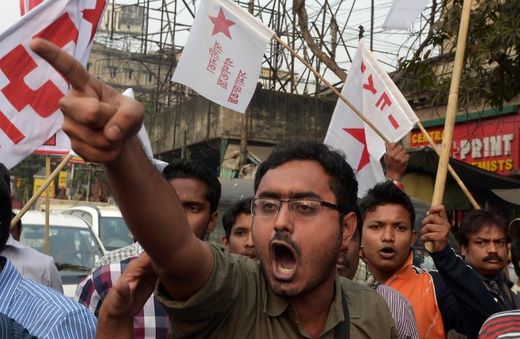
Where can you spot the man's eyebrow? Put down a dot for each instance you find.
(295, 195)
(192, 202)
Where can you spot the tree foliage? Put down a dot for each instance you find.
(492, 68)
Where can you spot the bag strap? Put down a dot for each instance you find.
(343, 328)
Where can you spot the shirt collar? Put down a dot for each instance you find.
(9, 280)
(13, 243)
(274, 306)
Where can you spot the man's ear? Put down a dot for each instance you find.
(463, 250)
(212, 223)
(349, 227)
(224, 241)
(414, 237)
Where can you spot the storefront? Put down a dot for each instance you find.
(488, 140)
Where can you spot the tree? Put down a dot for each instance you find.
(492, 68)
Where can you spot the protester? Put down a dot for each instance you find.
(305, 196)
(199, 193)
(31, 263)
(483, 240)
(453, 297)
(43, 311)
(399, 306)
(237, 223)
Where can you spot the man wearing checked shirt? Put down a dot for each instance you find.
(199, 192)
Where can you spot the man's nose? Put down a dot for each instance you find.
(283, 220)
(388, 234)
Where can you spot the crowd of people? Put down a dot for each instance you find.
(286, 265)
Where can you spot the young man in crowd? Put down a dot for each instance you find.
(399, 306)
(237, 223)
(199, 193)
(483, 240)
(452, 298)
(305, 195)
(43, 311)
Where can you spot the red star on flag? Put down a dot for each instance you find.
(221, 24)
(359, 134)
(94, 15)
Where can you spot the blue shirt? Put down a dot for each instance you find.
(45, 312)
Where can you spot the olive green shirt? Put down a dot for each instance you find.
(237, 302)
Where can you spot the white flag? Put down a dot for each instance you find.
(403, 13)
(374, 94)
(30, 89)
(223, 55)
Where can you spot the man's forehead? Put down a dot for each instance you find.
(190, 189)
(487, 231)
(295, 177)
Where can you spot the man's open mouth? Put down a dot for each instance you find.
(284, 260)
(387, 252)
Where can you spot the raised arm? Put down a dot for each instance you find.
(463, 300)
(102, 126)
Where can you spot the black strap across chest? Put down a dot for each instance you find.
(343, 328)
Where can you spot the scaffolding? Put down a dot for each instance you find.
(154, 31)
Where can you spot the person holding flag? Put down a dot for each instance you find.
(304, 202)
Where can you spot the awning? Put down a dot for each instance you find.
(485, 186)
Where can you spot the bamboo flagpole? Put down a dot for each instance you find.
(38, 193)
(454, 174)
(362, 117)
(449, 124)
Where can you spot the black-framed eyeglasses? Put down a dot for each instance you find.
(300, 208)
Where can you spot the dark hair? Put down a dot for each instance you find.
(342, 181)
(515, 256)
(476, 219)
(383, 194)
(5, 206)
(195, 169)
(230, 216)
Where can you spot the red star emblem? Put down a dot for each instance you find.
(359, 134)
(94, 15)
(221, 24)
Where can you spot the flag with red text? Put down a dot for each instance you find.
(373, 93)
(223, 54)
(30, 89)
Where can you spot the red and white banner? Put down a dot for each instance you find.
(223, 55)
(403, 13)
(374, 94)
(30, 89)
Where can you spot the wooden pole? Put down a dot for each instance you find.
(46, 245)
(38, 193)
(449, 124)
(454, 174)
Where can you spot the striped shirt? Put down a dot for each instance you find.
(501, 325)
(401, 310)
(45, 312)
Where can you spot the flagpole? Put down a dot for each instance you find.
(449, 123)
(42, 188)
(454, 174)
(332, 88)
(362, 117)
(46, 247)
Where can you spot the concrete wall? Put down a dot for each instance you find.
(274, 117)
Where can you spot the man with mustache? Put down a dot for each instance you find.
(483, 241)
(452, 298)
(237, 223)
(303, 211)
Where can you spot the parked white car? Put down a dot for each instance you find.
(106, 222)
(72, 243)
